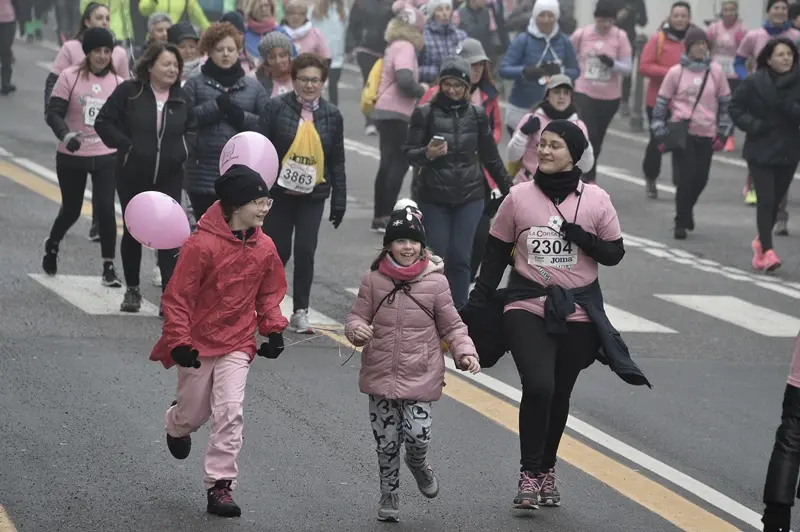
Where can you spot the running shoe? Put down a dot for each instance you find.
(426, 481)
(548, 494)
(370, 130)
(132, 302)
(528, 496)
(782, 228)
(179, 447)
(730, 145)
(750, 197)
(110, 278)
(50, 259)
(650, 188)
(299, 322)
(389, 508)
(94, 232)
(379, 225)
(220, 500)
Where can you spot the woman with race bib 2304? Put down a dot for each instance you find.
(308, 134)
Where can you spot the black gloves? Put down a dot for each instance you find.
(531, 126)
(777, 518)
(273, 347)
(72, 142)
(551, 68)
(336, 218)
(607, 253)
(532, 73)
(606, 60)
(224, 102)
(185, 356)
(233, 113)
(576, 234)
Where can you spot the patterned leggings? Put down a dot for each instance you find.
(393, 423)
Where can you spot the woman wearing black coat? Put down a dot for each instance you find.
(145, 120)
(766, 106)
(451, 184)
(224, 102)
(299, 198)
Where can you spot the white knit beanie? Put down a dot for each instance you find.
(433, 5)
(546, 5)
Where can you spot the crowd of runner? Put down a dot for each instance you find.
(145, 98)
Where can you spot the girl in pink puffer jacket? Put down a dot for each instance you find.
(403, 311)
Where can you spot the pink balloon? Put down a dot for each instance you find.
(157, 221)
(253, 150)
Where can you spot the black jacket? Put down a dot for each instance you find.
(127, 122)
(768, 111)
(457, 177)
(279, 121)
(784, 464)
(367, 25)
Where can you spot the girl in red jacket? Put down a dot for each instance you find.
(229, 281)
(404, 309)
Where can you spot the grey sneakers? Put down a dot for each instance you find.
(299, 322)
(426, 480)
(389, 507)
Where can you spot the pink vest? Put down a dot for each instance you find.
(7, 11)
(597, 80)
(724, 43)
(681, 87)
(530, 160)
(400, 55)
(755, 40)
(71, 53)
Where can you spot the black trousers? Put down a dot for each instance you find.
(365, 63)
(334, 75)
(597, 115)
(548, 367)
(7, 32)
(772, 185)
(130, 248)
(479, 243)
(201, 203)
(393, 166)
(690, 169)
(72, 172)
(298, 217)
(651, 165)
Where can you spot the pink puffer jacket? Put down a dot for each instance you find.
(404, 359)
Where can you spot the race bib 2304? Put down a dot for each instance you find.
(546, 248)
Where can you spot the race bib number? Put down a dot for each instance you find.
(726, 62)
(596, 70)
(546, 248)
(297, 177)
(91, 108)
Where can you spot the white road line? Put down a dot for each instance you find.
(625, 321)
(86, 293)
(758, 319)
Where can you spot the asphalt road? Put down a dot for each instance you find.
(82, 408)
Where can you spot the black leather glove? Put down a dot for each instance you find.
(336, 218)
(777, 518)
(551, 68)
(224, 102)
(606, 60)
(576, 234)
(72, 142)
(532, 73)
(531, 126)
(185, 356)
(273, 347)
(235, 116)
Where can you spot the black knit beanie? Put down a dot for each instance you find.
(573, 136)
(94, 38)
(240, 185)
(234, 18)
(405, 223)
(605, 9)
(771, 3)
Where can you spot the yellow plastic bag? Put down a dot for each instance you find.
(303, 166)
(369, 94)
(513, 167)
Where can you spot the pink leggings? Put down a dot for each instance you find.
(215, 390)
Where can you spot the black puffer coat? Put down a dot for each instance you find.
(767, 108)
(212, 130)
(457, 177)
(279, 121)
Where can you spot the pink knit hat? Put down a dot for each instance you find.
(409, 14)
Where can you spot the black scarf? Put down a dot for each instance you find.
(559, 185)
(555, 114)
(227, 77)
(445, 102)
(678, 34)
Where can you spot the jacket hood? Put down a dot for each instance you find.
(398, 30)
(213, 222)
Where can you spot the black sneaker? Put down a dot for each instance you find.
(8, 89)
(50, 259)
(132, 302)
(220, 500)
(179, 447)
(94, 231)
(110, 278)
(680, 233)
(528, 495)
(650, 188)
(379, 225)
(781, 228)
(548, 494)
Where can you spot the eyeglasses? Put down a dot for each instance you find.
(309, 81)
(263, 203)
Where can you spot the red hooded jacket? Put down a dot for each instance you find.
(222, 288)
(661, 53)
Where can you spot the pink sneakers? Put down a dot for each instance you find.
(765, 262)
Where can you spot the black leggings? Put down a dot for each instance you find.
(690, 170)
(772, 185)
(548, 367)
(334, 75)
(72, 173)
(130, 248)
(393, 165)
(597, 115)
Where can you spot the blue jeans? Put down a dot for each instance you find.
(450, 230)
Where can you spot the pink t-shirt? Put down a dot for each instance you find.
(85, 95)
(400, 55)
(313, 43)
(681, 87)
(7, 11)
(755, 40)
(794, 373)
(530, 159)
(281, 87)
(526, 216)
(597, 80)
(724, 43)
(71, 53)
(161, 100)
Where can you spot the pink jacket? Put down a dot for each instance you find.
(794, 374)
(404, 359)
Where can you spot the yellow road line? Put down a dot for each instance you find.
(660, 500)
(5, 522)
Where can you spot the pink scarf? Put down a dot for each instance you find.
(393, 270)
(262, 27)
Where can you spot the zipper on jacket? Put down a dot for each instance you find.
(160, 136)
(455, 131)
(397, 338)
